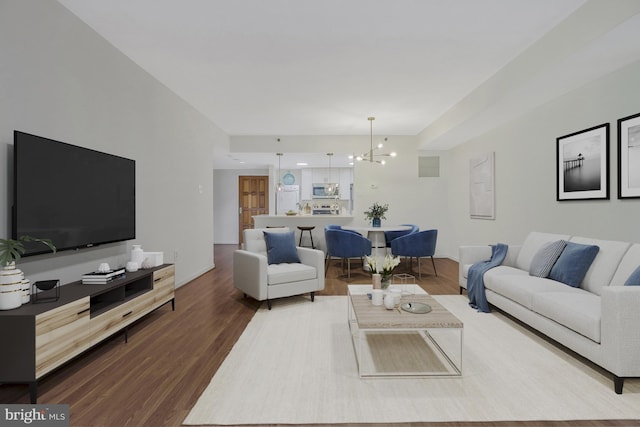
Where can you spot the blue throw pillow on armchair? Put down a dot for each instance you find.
(281, 247)
(573, 263)
(634, 279)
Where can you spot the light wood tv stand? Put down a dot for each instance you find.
(39, 338)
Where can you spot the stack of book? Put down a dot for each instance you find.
(97, 278)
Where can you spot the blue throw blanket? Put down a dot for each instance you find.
(475, 280)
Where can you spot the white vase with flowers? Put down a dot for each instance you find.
(384, 267)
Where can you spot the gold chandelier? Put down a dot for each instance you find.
(370, 155)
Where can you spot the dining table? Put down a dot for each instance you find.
(376, 235)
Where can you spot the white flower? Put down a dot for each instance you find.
(389, 263)
(372, 263)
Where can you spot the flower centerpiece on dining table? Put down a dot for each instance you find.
(383, 266)
(376, 212)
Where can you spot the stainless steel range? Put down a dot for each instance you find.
(325, 209)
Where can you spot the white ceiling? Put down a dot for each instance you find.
(321, 67)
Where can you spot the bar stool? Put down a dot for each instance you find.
(302, 230)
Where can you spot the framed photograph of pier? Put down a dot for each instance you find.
(583, 164)
(629, 157)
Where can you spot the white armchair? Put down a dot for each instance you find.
(253, 275)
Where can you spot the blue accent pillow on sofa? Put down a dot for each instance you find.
(634, 279)
(573, 263)
(281, 247)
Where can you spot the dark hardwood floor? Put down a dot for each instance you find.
(156, 377)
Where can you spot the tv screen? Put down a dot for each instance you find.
(74, 196)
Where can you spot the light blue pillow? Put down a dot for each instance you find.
(281, 247)
(573, 263)
(634, 279)
(545, 258)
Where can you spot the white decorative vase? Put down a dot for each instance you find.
(10, 287)
(26, 291)
(389, 301)
(137, 255)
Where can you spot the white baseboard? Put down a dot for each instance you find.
(194, 276)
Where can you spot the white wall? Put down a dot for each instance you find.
(60, 80)
(225, 210)
(525, 154)
(412, 200)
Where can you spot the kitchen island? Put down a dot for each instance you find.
(293, 221)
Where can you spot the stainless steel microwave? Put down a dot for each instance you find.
(321, 191)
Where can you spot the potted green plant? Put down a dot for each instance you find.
(11, 278)
(11, 250)
(376, 213)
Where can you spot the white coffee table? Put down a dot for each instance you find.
(396, 343)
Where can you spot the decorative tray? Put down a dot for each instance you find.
(415, 307)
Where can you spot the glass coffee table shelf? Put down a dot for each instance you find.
(396, 343)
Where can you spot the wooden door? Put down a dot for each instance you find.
(254, 200)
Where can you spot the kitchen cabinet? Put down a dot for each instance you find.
(306, 184)
(346, 178)
(326, 175)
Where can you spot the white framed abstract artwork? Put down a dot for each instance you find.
(629, 157)
(482, 186)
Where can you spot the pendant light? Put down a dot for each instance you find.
(370, 156)
(329, 188)
(279, 186)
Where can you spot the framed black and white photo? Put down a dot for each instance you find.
(629, 157)
(582, 169)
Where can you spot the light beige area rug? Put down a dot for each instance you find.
(295, 364)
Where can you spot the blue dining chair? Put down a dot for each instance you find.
(390, 235)
(338, 227)
(345, 244)
(419, 245)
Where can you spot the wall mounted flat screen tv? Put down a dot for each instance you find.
(74, 196)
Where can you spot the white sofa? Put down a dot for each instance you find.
(253, 275)
(599, 320)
